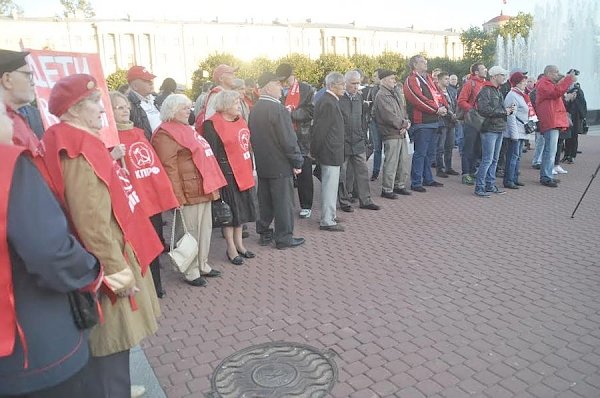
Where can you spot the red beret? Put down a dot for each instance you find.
(517, 78)
(70, 90)
(139, 72)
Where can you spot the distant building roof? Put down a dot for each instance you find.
(499, 18)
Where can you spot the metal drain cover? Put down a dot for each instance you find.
(277, 369)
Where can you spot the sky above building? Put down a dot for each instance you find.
(428, 14)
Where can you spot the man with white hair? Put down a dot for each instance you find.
(327, 147)
(354, 169)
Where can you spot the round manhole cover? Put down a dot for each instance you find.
(276, 369)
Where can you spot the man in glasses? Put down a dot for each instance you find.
(16, 87)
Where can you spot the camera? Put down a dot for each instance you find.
(575, 72)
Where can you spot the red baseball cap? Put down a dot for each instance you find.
(70, 90)
(221, 70)
(139, 72)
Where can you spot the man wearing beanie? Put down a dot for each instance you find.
(297, 98)
(16, 87)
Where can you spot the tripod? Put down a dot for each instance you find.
(586, 189)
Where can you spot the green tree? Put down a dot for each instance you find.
(7, 7)
(305, 69)
(116, 79)
(254, 68)
(478, 45)
(204, 72)
(366, 63)
(521, 24)
(457, 67)
(73, 6)
(331, 63)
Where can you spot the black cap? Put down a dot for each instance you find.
(11, 60)
(383, 73)
(285, 71)
(267, 77)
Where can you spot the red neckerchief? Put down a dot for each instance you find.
(23, 135)
(147, 173)
(133, 221)
(292, 100)
(9, 324)
(428, 81)
(202, 154)
(235, 137)
(527, 101)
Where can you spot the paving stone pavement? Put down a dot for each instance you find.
(441, 294)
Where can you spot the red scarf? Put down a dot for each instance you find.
(9, 325)
(527, 101)
(436, 96)
(23, 135)
(292, 100)
(202, 154)
(133, 221)
(147, 173)
(235, 137)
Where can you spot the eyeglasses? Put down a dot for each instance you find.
(122, 107)
(26, 73)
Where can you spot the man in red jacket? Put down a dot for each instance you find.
(552, 116)
(466, 101)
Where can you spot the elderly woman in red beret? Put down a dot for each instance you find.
(104, 211)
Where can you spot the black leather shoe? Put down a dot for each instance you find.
(161, 292)
(247, 254)
(402, 191)
(418, 189)
(511, 186)
(332, 228)
(293, 243)
(265, 239)
(389, 195)
(370, 206)
(212, 274)
(519, 184)
(374, 177)
(551, 184)
(452, 172)
(434, 184)
(347, 208)
(198, 282)
(237, 260)
(442, 174)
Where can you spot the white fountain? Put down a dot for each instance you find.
(565, 33)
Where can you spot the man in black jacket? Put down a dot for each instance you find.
(278, 159)
(297, 98)
(327, 146)
(490, 105)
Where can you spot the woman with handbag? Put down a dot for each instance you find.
(228, 135)
(195, 177)
(102, 207)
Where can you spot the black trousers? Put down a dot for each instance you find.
(75, 386)
(502, 156)
(572, 144)
(276, 203)
(304, 183)
(111, 378)
(157, 223)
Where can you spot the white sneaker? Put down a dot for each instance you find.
(137, 391)
(554, 171)
(560, 170)
(305, 213)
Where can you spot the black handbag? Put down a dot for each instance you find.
(530, 126)
(221, 214)
(84, 309)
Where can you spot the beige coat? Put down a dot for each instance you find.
(89, 207)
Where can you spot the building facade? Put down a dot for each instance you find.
(174, 49)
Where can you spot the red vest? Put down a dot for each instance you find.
(133, 221)
(8, 317)
(202, 154)
(235, 137)
(23, 135)
(147, 173)
(199, 123)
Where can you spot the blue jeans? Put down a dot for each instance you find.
(491, 142)
(459, 137)
(548, 154)
(377, 147)
(423, 135)
(513, 161)
(539, 147)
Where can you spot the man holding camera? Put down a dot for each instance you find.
(552, 116)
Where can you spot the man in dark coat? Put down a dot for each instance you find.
(297, 98)
(278, 159)
(42, 352)
(327, 146)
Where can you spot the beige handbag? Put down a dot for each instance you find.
(183, 252)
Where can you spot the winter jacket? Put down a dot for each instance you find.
(389, 113)
(327, 142)
(419, 92)
(515, 129)
(138, 115)
(490, 104)
(354, 131)
(550, 106)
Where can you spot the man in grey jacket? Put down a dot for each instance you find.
(392, 125)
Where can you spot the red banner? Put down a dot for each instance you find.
(50, 66)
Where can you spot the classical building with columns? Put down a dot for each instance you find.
(174, 49)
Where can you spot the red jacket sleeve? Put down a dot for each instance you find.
(548, 90)
(464, 96)
(414, 95)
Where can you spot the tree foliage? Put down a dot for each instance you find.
(331, 63)
(521, 24)
(7, 7)
(72, 7)
(116, 79)
(305, 69)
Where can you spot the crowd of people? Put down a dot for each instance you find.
(74, 303)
